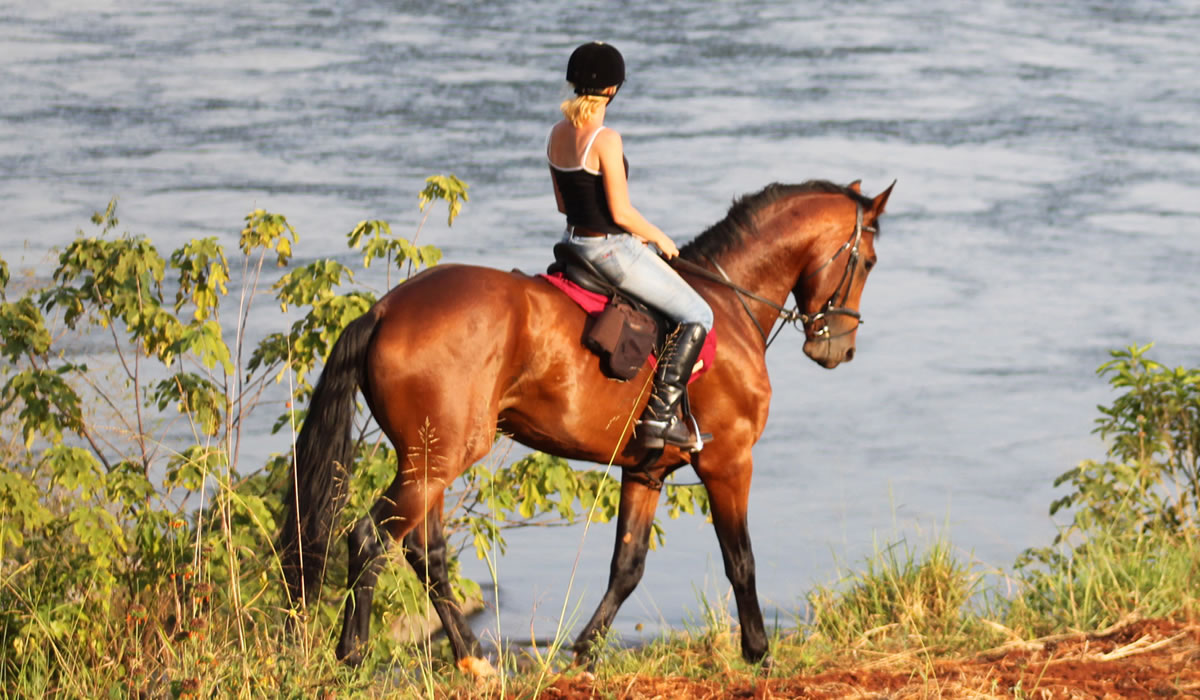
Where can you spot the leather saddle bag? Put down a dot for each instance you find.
(623, 337)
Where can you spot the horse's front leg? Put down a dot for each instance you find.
(728, 493)
(635, 516)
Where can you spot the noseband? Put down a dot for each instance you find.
(833, 306)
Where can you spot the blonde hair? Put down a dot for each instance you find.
(581, 108)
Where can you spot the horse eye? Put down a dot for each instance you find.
(868, 265)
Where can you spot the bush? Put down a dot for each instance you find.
(1151, 479)
(1131, 545)
(136, 548)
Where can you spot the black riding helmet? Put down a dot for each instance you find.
(595, 66)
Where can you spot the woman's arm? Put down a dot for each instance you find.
(612, 168)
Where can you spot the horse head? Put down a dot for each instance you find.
(814, 240)
(834, 271)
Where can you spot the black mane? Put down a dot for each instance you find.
(738, 224)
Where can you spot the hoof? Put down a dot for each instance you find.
(765, 664)
(585, 660)
(352, 659)
(476, 666)
(349, 653)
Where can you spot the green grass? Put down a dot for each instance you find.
(923, 601)
(1109, 576)
(899, 594)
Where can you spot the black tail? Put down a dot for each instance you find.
(324, 456)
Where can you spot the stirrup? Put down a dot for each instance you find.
(701, 438)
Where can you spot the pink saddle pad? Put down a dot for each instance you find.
(594, 303)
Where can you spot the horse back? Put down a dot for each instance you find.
(483, 349)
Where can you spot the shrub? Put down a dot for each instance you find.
(1131, 544)
(136, 544)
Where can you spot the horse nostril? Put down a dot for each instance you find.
(849, 355)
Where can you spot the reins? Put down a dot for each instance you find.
(832, 305)
(788, 315)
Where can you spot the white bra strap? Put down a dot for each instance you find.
(588, 149)
(583, 159)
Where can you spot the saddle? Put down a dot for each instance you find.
(626, 332)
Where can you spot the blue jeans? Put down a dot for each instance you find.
(637, 269)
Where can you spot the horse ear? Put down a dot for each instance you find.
(880, 202)
(856, 186)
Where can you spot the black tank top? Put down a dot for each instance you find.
(583, 194)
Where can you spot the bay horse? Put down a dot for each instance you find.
(457, 352)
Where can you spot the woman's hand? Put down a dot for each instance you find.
(667, 246)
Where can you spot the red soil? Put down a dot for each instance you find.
(1143, 659)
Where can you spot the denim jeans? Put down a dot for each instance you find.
(637, 269)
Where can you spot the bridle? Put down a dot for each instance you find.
(835, 305)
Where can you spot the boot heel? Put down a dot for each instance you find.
(651, 435)
(654, 443)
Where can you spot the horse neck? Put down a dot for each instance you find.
(787, 239)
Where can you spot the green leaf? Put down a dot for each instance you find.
(108, 219)
(379, 243)
(1152, 478)
(22, 505)
(75, 469)
(310, 284)
(189, 469)
(447, 188)
(194, 396)
(22, 330)
(268, 232)
(311, 338)
(48, 404)
(203, 275)
(99, 530)
(202, 339)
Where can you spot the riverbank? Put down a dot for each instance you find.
(1133, 659)
(109, 585)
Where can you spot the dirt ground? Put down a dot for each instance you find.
(1134, 659)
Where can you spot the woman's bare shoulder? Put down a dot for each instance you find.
(608, 138)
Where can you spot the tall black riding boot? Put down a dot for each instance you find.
(661, 423)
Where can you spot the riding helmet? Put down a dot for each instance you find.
(595, 66)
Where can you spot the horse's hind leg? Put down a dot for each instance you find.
(635, 516)
(425, 549)
(411, 511)
(403, 506)
(367, 544)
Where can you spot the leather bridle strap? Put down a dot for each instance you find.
(788, 315)
(794, 314)
(833, 306)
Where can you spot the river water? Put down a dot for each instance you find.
(1048, 166)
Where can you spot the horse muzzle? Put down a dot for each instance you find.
(829, 340)
(829, 353)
